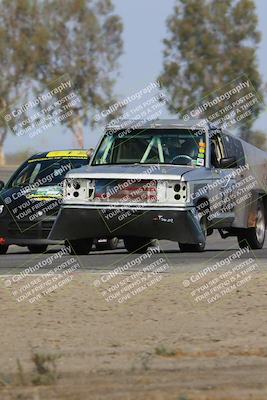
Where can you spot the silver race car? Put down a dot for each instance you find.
(166, 180)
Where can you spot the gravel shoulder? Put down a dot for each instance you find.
(160, 344)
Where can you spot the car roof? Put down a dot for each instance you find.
(156, 124)
(165, 124)
(59, 155)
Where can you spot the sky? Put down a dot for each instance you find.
(144, 29)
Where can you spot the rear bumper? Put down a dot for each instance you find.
(78, 222)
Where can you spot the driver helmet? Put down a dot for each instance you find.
(189, 148)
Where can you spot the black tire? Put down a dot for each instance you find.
(196, 247)
(80, 246)
(111, 244)
(136, 244)
(37, 248)
(3, 249)
(254, 237)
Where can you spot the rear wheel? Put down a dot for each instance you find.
(37, 248)
(113, 243)
(110, 244)
(196, 247)
(3, 249)
(254, 237)
(136, 244)
(80, 246)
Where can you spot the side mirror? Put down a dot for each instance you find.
(2, 184)
(229, 162)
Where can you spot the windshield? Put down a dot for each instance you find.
(44, 172)
(168, 146)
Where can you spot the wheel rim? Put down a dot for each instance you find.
(260, 226)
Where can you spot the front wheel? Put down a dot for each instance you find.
(136, 244)
(80, 246)
(113, 243)
(37, 248)
(254, 237)
(3, 249)
(110, 244)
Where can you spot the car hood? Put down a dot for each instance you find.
(148, 171)
(41, 193)
(20, 203)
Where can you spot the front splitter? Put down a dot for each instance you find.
(84, 222)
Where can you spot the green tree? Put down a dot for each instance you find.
(16, 24)
(86, 44)
(210, 43)
(40, 41)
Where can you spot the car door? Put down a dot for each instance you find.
(241, 194)
(223, 181)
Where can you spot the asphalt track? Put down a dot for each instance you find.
(18, 258)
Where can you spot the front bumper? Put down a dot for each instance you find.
(80, 222)
(24, 233)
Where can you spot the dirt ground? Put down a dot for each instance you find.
(158, 345)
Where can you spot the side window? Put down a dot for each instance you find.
(22, 178)
(35, 172)
(234, 148)
(217, 151)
